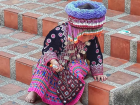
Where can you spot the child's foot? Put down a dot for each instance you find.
(78, 103)
(31, 97)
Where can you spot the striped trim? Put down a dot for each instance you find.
(79, 68)
(40, 81)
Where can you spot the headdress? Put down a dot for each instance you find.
(85, 21)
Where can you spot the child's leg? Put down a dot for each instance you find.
(78, 103)
(31, 97)
(44, 83)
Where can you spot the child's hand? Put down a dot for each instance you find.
(58, 67)
(100, 77)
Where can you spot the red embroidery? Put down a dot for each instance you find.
(49, 40)
(93, 62)
(97, 69)
(97, 50)
(99, 56)
(53, 35)
(60, 34)
(57, 28)
(100, 60)
(51, 49)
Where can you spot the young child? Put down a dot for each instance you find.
(59, 76)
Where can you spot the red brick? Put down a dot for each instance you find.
(11, 2)
(10, 103)
(134, 68)
(49, 10)
(5, 63)
(48, 1)
(30, 22)
(97, 0)
(131, 18)
(112, 13)
(120, 46)
(118, 5)
(4, 30)
(114, 61)
(134, 30)
(91, 0)
(63, 4)
(106, 69)
(1, 6)
(39, 41)
(11, 89)
(63, 14)
(135, 7)
(11, 18)
(24, 70)
(1, 81)
(71, 0)
(23, 48)
(22, 36)
(49, 24)
(138, 51)
(32, 15)
(37, 55)
(121, 78)
(5, 42)
(114, 24)
(98, 93)
(30, 6)
(101, 41)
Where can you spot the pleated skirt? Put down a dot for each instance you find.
(45, 81)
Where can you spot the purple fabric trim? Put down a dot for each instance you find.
(73, 20)
(96, 69)
(72, 10)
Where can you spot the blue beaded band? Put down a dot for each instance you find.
(98, 12)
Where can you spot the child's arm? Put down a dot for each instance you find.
(52, 45)
(56, 66)
(94, 55)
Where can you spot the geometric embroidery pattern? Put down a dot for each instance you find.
(68, 86)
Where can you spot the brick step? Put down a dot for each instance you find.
(20, 51)
(34, 18)
(13, 92)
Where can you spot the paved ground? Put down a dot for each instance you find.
(13, 92)
(21, 50)
(123, 73)
(33, 17)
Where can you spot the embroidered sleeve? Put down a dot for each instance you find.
(49, 55)
(52, 45)
(95, 57)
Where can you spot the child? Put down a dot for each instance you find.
(59, 76)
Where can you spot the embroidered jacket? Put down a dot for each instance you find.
(55, 47)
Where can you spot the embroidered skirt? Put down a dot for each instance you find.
(44, 81)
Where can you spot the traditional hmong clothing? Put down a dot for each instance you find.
(44, 80)
(78, 58)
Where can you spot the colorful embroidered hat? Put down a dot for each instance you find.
(83, 21)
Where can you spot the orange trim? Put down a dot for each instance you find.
(51, 65)
(98, 34)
